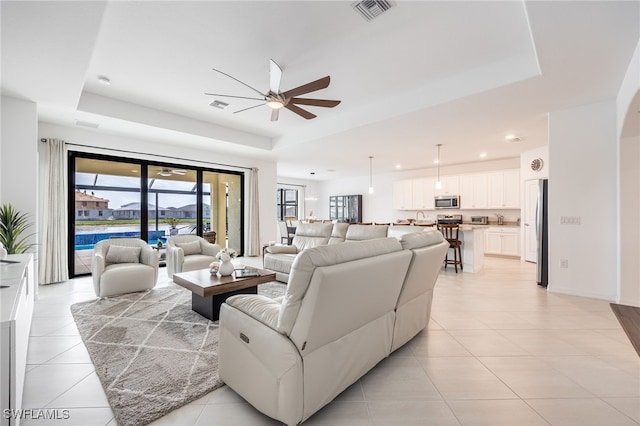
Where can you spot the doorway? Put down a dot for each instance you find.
(532, 188)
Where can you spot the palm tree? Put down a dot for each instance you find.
(12, 226)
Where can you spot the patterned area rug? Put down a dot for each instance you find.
(152, 353)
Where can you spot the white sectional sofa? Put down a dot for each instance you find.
(280, 258)
(347, 307)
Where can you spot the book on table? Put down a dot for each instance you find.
(247, 272)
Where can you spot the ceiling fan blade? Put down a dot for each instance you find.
(322, 83)
(275, 113)
(251, 107)
(326, 103)
(245, 84)
(275, 76)
(232, 96)
(301, 112)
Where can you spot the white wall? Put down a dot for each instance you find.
(629, 293)
(582, 143)
(628, 105)
(378, 207)
(119, 146)
(19, 160)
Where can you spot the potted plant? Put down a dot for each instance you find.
(173, 222)
(13, 225)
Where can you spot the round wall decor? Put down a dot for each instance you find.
(536, 165)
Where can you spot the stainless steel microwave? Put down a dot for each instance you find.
(447, 202)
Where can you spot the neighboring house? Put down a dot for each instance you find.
(91, 207)
(132, 211)
(189, 211)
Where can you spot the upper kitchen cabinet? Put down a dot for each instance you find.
(423, 190)
(450, 186)
(403, 194)
(504, 189)
(473, 191)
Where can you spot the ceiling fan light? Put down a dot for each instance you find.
(275, 104)
(164, 172)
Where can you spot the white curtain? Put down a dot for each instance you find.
(53, 266)
(253, 237)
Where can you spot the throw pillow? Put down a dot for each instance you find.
(121, 254)
(189, 248)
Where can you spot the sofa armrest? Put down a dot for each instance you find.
(97, 268)
(282, 249)
(261, 365)
(148, 256)
(209, 249)
(258, 307)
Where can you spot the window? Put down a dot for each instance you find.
(134, 198)
(287, 203)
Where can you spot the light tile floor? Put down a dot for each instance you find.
(499, 350)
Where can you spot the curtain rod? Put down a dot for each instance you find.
(291, 184)
(155, 155)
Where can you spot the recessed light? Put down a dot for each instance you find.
(218, 104)
(398, 166)
(436, 161)
(104, 80)
(483, 154)
(512, 138)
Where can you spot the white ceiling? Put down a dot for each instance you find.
(464, 74)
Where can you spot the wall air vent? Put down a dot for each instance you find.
(370, 9)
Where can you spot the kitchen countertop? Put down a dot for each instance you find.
(493, 225)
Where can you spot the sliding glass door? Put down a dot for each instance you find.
(113, 197)
(107, 204)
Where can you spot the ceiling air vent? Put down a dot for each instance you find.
(370, 9)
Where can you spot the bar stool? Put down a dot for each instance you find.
(450, 233)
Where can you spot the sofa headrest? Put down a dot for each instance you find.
(399, 231)
(308, 260)
(315, 229)
(421, 239)
(366, 232)
(339, 232)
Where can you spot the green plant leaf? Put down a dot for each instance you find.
(13, 224)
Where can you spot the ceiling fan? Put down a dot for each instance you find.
(165, 172)
(275, 99)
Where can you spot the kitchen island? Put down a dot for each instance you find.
(472, 237)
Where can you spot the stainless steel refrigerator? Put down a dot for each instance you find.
(542, 233)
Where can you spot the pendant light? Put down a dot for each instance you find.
(439, 182)
(370, 174)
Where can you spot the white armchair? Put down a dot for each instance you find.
(189, 253)
(123, 265)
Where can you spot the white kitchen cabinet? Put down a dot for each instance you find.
(423, 191)
(473, 191)
(403, 194)
(504, 189)
(503, 241)
(16, 309)
(450, 185)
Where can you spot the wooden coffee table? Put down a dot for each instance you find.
(208, 292)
